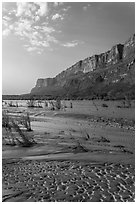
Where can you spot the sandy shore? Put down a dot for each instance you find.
(58, 169)
(68, 181)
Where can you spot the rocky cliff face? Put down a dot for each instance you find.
(95, 62)
(129, 47)
(76, 75)
(45, 82)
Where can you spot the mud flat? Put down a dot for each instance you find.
(77, 158)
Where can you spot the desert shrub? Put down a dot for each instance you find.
(25, 120)
(104, 105)
(12, 126)
(39, 104)
(79, 148)
(52, 105)
(24, 140)
(46, 104)
(127, 103)
(118, 106)
(10, 104)
(71, 106)
(31, 103)
(5, 120)
(9, 138)
(85, 135)
(101, 139)
(55, 105)
(58, 104)
(17, 104)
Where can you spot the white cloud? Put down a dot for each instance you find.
(30, 49)
(5, 23)
(85, 8)
(30, 23)
(47, 29)
(22, 7)
(66, 9)
(21, 26)
(58, 3)
(30, 9)
(42, 11)
(6, 32)
(33, 49)
(7, 18)
(70, 44)
(73, 43)
(52, 39)
(56, 16)
(37, 18)
(38, 37)
(11, 27)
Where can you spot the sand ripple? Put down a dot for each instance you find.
(68, 181)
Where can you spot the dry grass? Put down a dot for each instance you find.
(13, 129)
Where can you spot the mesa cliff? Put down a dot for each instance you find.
(112, 67)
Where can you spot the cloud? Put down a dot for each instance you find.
(43, 10)
(5, 23)
(7, 18)
(70, 44)
(47, 29)
(30, 9)
(56, 16)
(22, 8)
(85, 8)
(73, 43)
(6, 32)
(52, 39)
(30, 23)
(33, 49)
(21, 26)
(58, 3)
(30, 49)
(66, 9)
(38, 37)
(37, 18)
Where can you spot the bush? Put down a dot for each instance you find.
(31, 103)
(8, 127)
(25, 120)
(24, 140)
(79, 148)
(12, 125)
(71, 106)
(58, 104)
(104, 105)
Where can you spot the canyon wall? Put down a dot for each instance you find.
(117, 54)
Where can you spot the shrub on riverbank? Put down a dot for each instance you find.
(15, 135)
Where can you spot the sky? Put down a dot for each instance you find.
(41, 39)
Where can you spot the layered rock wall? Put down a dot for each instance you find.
(45, 82)
(118, 53)
(129, 46)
